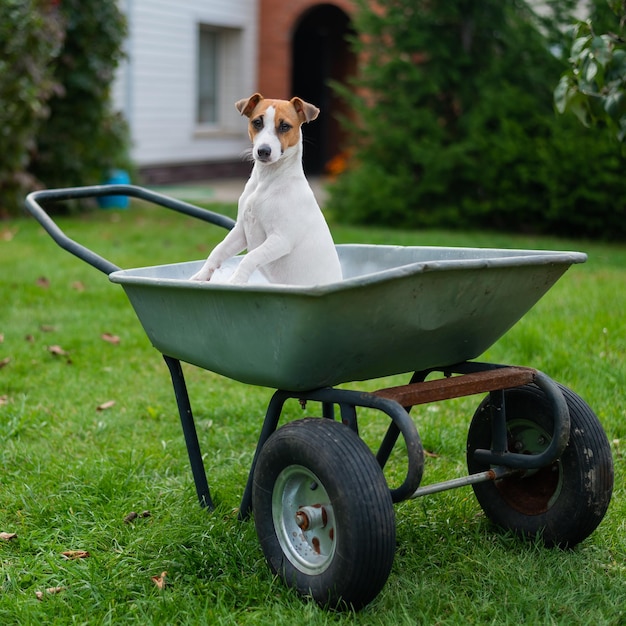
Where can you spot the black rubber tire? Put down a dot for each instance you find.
(562, 503)
(323, 465)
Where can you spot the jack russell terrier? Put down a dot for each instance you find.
(279, 222)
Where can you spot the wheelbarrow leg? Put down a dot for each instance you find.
(189, 431)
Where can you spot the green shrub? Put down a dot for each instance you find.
(57, 64)
(84, 137)
(454, 126)
(31, 34)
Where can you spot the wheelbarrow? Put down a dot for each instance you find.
(538, 459)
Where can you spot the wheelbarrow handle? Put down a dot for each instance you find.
(36, 199)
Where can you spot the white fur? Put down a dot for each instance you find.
(279, 222)
(268, 137)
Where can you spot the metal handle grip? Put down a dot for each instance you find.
(35, 200)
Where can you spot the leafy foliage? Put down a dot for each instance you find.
(57, 63)
(594, 86)
(454, 125)
(84, 137)
(31, 35)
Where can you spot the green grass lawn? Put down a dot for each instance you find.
(89, 433)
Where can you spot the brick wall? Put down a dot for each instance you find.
(277, 22)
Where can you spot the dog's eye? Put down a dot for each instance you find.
(257, 124)
(283, 127)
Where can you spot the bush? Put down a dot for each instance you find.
(84, 137)
(57, 64)
(454, 126)
(31, 34)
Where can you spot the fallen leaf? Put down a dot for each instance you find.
(7, 234)
(430, 454)
(78, 285)
(72, 555)
(30, 338)
(47, 328)
(114, 339)
(1, 337)
(5, 361)
(132, 516)
(43, 282)
(159, 581)
(50, 591)
(8, 536)
(57, 350)
(105, 405)
(4, 400)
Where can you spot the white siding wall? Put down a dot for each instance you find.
(156, 87)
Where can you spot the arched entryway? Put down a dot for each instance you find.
(321, 54)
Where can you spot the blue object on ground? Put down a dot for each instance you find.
(115, 177)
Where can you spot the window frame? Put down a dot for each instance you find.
(228, 49)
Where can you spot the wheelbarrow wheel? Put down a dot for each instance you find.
(323, 513)
(562, 503)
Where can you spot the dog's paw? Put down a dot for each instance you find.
(203, 275)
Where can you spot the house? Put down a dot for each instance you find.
(188, 61)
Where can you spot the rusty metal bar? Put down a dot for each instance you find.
(459, 386)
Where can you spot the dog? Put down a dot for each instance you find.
(279, 222)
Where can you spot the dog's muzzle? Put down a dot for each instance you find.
(264, 153)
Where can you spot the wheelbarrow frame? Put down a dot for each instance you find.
(395, 402)
(463, 379)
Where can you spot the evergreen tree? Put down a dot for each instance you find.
(454, 123)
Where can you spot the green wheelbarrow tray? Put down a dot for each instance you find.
(398, 309)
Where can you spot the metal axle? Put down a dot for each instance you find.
(495, 473)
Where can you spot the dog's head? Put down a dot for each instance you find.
(274, 125)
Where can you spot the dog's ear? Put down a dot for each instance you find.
(306, 112)
(247, 105)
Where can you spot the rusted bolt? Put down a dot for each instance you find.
(302, 520)
(310, 517)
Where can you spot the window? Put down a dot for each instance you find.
(207, 76)
(219, 78)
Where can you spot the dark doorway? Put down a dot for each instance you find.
(320, 54)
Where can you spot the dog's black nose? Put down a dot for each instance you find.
(264, 152)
